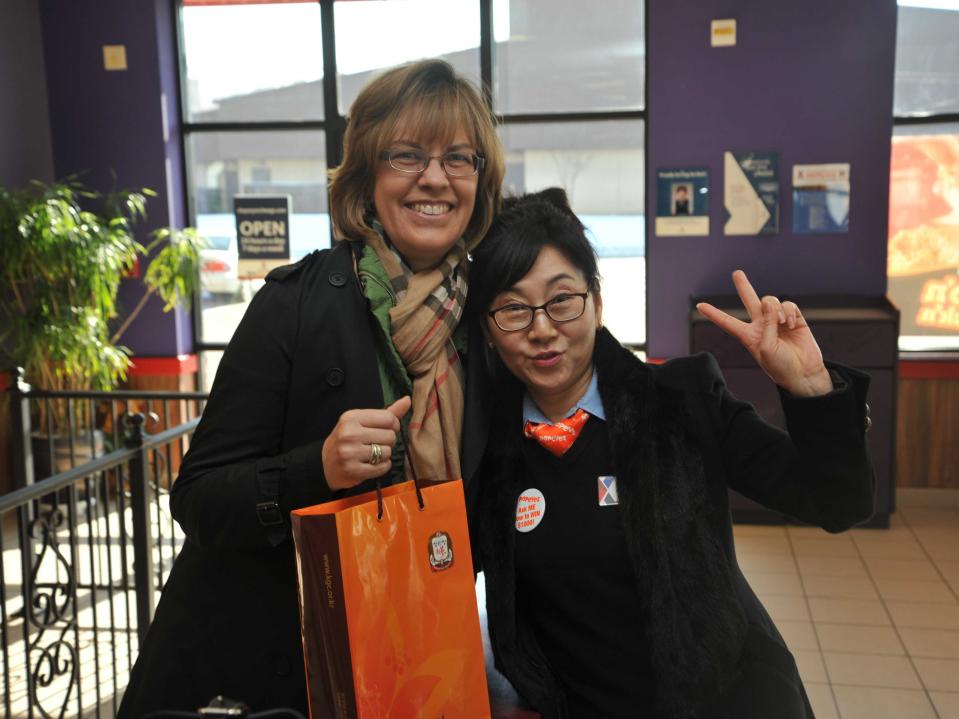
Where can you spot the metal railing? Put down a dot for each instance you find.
(84, 552)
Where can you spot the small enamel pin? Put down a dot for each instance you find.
(608, 496)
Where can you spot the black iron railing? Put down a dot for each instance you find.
(84, 552)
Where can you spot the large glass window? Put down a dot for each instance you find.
(372, 35)
(601, 166)
(567, 83)
(230, 164)
(927, 57)
(923, 252)
(567, 56)
(248, 62)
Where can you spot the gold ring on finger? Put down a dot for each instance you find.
(376, 453)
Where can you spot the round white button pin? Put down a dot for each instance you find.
(530, 508)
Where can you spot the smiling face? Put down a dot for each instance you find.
(553, 359)
(425, 213)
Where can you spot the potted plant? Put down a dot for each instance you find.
(64, 250)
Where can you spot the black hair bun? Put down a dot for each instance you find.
(555, 196)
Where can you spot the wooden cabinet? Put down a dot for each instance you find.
(855, 331)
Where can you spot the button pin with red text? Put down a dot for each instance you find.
(530, 508)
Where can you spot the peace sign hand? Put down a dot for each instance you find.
(777, 337)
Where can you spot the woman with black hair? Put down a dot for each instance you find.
(604, 529)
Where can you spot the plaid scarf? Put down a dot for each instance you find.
(429, 307)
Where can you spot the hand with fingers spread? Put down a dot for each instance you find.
(361, 444)
(777, 337)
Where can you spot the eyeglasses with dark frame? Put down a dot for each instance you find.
(564, 307)
(455, 164)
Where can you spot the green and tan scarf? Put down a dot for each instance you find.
(429, 307)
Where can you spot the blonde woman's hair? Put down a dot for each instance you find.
(434, 102)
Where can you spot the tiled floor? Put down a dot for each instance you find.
(872, 616)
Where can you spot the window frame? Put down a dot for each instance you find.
(334, 122)
(919, 118)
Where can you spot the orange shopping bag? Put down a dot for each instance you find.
(388, 607)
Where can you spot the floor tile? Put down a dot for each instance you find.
(786, 608)
(939, 643)
(839, 587)
(810, 664)
(901, 568)
(939, 543)
(777, 583)
(756, 562)
(896, 524)
(858, 638)
(947, 704)
(915, 590)
(758, 530)
(871, 670)
(763, 545)
(797, 532)
(908, 548)
(948, 569)
(938, 674)
(848, 611)
(824, 548)
(798, 634)
(823, 703)
(924, 614)
(873, 703)
(831, 566)
(942, 551)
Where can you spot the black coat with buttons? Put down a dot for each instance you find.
(227, 621)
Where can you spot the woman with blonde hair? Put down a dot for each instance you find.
(333, 354)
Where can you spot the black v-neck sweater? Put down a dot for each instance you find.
(574, 558)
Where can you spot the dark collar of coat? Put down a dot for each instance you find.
(694, 623)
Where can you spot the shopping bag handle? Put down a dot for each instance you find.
(416, 483)
(379, 498)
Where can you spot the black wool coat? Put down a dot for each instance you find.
(679, 439)
(228, 621)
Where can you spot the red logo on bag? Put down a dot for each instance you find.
(441, 551)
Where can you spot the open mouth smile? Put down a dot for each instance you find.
(430, 209)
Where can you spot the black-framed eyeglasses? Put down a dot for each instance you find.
(564, 307)
(456, 164)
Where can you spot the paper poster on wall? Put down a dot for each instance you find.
(751, 189)
(923, 249)
(821, 199)
(262, 233)
(682, 202)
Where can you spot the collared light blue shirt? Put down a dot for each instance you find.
(590, 401)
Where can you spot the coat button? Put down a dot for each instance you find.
(337, 279)
(335, 377)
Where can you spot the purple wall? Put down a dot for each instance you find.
(108, 126)
(812, 80)
(25, 152)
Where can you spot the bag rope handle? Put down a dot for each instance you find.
(416, 482)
